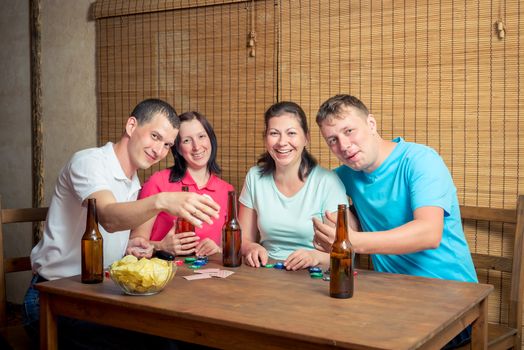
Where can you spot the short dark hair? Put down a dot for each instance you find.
(178, 170)
(307, 162)
(332, 107)
(147, 109)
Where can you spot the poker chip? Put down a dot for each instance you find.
(179, 262)
(199, 263)
(269, 266)
(279, 266)
(189, 260)
(194, 267)
(314, 269)
(316, 275)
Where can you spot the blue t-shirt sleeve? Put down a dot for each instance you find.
(430, 182)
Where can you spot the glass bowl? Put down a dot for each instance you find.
(147, 277)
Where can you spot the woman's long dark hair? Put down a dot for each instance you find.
(307, 162)
(178, 170)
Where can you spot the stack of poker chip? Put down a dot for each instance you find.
(196, 263)
(315, 272)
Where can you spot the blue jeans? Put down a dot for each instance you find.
(31, 308)
(460, 340)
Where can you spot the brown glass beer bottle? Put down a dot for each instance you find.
(341, 259)
(231, 234)
(182, 225)
(92, 248)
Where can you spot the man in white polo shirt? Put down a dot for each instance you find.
(109, 174)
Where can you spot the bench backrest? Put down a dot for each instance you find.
(511, 263)
(16, 264)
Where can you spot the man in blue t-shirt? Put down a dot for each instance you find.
(403, 194)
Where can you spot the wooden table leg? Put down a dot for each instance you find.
(48, 332)
(479, 332)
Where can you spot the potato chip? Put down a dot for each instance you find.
(141, 276)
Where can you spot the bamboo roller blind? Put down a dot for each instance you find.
(432, 72)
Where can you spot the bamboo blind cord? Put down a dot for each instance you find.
(464, 107)
(439, 102)
(278, 39)
(427, 72)
(330, 48)
(339, 45)
(504, 120)
(503, 227)
(490, 106)
(300, 30)
(252, 33)
(381, 57)
(371, 54)
(404, 53)
(392, 83)
(518, 93)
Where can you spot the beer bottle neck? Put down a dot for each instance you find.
(91, 212)
(341, 231)
(232, 207)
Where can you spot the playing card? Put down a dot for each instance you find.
(223, 273)
(199, 276)
(208, 271)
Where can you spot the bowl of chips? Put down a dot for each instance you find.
(142, 276)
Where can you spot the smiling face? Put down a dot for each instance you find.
(285, 140)
(149, 142)
(351, 136)
(195, 145)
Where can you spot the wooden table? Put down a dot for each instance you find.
(268, 308)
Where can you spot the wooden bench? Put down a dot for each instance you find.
(507, 334)
(14, 334)
(502, 336)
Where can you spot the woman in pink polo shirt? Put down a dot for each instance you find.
(196, 167)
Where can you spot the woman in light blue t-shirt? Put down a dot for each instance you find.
(284, 192)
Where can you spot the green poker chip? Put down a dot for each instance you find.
(316, 275)
(269, 266)
(189, 260)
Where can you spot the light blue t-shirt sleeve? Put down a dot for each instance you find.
(247, 194)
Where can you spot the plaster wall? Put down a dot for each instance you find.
(68, 106)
